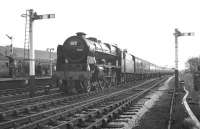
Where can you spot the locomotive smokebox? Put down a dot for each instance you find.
(75, 48)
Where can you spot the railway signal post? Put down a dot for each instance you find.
(50, 50)
(31, 16)
(11, 44)
(176, 35)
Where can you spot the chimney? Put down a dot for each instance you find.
(81, 34)
(99, 41)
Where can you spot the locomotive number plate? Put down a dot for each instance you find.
(73, 43)
(79, 49)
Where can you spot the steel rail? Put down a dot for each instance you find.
(33, 117)
(26, 100)
(20, 90)
(24, 95)
(75, 109)
(48, 113)
(171, 109)
(45, 103)
(14, 123)
(29, 106)
(127, 103)
(15, 90)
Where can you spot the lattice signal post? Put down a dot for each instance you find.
(50, 51)
(31, 16)
(176, 35)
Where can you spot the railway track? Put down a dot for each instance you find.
(18, 102)
(172, 106)
(22, 103)
(20, 86)
(31, 116)
(22, 95)
(8, 92)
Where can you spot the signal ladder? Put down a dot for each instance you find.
(27, 35)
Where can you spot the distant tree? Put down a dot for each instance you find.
(193, 63)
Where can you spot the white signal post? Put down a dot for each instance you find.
(50, 50)
(32, 51)
(176, 35)
(32, 17)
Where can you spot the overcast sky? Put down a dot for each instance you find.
(144, 27)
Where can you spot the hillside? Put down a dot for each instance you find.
(19, 53)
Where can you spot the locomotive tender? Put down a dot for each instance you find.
(85, 64)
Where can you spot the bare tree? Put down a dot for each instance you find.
(193, 63)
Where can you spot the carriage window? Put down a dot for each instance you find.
(6, 64)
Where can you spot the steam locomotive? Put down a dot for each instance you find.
(87, 64)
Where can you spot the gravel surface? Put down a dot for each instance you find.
(194, 96)
(158, 116)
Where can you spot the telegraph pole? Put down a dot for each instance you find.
(32, 16)
(176, 35)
